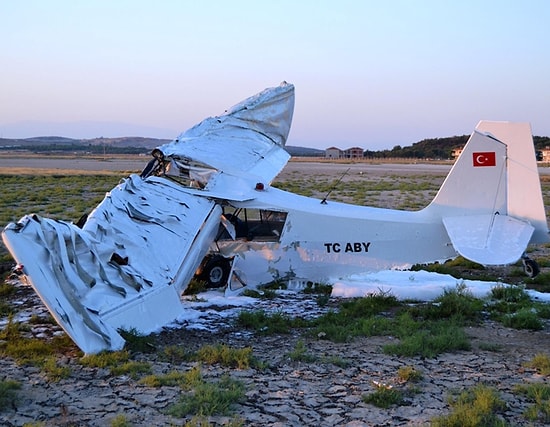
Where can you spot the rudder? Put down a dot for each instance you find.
(523, 181)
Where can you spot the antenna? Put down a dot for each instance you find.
(324, 201)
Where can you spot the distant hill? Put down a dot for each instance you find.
(433, 148)
(36, 141)
(129, 141)
(541, 142)
(41, 144)
(439, 148)
(128, 144)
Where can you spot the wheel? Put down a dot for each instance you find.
(216, 272)
(530, 267)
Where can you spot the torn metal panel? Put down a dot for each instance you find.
(126, 268)
(245, 142)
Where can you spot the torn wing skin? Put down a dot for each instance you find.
(126, 268)
(221, 156)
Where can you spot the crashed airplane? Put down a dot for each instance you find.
(204, 206)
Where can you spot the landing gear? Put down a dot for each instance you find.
(530, 267)
(216, 271)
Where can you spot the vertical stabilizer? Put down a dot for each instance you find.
(523, 181)
(495, 174)
(476, 184)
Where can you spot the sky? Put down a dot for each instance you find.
(372, 74)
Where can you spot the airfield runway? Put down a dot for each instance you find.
(88, 164)
(135, 164)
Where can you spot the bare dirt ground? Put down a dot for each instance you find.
(285, 392)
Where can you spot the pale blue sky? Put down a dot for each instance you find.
(367, 73)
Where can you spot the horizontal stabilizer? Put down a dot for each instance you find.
(489, 239)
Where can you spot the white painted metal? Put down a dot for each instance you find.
(322, 241)
(489, 239)
(247, 141)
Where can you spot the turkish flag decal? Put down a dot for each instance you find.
(488, 158)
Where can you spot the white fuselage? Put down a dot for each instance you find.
(326, 240)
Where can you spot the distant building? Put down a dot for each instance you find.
(543, 155)
(350, 153)
(333, 153)
(456, 152)
(353, 153)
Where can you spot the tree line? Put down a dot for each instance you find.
(439, 148)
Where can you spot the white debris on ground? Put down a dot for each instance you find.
(415, 285)
(207, 310)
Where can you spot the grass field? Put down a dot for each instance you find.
(68, 194)
(65, 197)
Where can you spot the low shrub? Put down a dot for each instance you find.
(477, 407)
(8, 393)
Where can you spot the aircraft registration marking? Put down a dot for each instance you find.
(347, 247)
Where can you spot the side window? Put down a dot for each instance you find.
(257, 224)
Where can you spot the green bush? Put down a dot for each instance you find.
(538, 395)
(209, 398)
(264, 323)
(540, 362)
(8, 393)
(385, 397)
(525, 318)
(477, 407)
(434, 338)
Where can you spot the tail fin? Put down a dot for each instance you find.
(523, 183)
(496, 174)
(477, 182)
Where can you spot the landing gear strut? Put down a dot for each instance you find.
(530, 267)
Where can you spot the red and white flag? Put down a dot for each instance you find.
(487, 158)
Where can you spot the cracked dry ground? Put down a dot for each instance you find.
(286, 392)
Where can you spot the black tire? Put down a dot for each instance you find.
(530, 267)
(216, 272)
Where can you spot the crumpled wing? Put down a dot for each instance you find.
(126, 268)
(247, 142)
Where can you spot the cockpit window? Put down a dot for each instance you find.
(257, 224)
